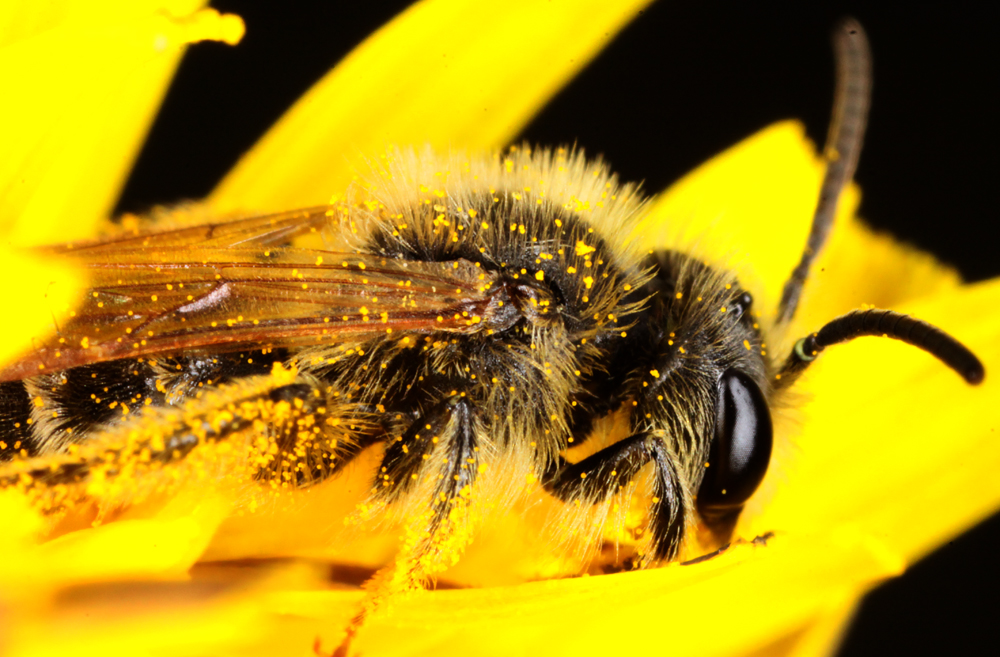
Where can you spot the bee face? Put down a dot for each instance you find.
(707, 385)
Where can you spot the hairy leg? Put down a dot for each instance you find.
(286, 421)
(599, 476)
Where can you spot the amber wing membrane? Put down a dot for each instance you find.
(237, 285)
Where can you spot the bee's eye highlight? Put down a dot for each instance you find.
(741, 447)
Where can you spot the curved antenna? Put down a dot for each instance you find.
(843, 147)
(888, 324)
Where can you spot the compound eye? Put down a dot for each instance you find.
(741, 448)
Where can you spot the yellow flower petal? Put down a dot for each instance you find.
(57, 286)
(163, 545)
(445, 73)
(139, 620)
(799, 584)
(88, 77)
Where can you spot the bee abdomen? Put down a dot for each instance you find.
(66, 407)
(15, 421)
(44, 414)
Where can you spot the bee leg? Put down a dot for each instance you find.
(758, 541)
(438, 449)
(598, 477)
(161, 436)
(442, 444)
(320, 440)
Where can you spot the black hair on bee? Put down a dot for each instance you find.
(475, 317)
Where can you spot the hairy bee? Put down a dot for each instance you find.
(475, 318)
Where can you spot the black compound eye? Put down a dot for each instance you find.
(741, 447)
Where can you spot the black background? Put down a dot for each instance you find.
(680, 84)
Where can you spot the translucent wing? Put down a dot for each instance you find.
(226, 288)
(265, 230)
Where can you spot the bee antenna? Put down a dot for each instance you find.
(889, 324)
(843, 147)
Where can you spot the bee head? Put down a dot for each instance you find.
(706, 385)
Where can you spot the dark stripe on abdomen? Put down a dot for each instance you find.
(15, 425)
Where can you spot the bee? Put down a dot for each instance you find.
(473, 318)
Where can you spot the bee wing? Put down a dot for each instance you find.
(265, 230)
(164, 299)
